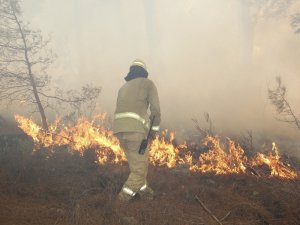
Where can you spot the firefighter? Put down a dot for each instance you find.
(131, 124)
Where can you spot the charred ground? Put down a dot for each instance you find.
(58, 186)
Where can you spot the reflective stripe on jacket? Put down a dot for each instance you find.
(136, 117)
(134, 99)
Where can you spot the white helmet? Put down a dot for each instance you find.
(140, 63)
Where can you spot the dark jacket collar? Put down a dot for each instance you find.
(135, 72)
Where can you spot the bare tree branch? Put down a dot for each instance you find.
(277, 97)
(24, 60)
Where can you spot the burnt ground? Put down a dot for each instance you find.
(57, 187)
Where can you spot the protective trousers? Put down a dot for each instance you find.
(138, 165)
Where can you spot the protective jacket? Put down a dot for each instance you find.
(134, 99)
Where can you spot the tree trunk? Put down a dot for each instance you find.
(31, 77)
(247, 26)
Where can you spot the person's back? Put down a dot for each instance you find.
(130, 125)
(134, 97)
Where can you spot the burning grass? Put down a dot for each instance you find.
(219, 159)
(57, 185)
(75, 172)
(64, 187)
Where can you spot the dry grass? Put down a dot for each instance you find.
(64, 188)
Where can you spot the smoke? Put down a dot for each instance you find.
(209, 56)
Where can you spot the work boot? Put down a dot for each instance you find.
(147, 194)
(123, 197)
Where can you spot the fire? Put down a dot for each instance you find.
(219, 159)
(163, 152)
(272, 160)
(81, 136)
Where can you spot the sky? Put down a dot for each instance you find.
(210, 56)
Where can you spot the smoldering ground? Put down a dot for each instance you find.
(205, 56)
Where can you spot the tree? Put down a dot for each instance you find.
(21, 46)
(252, 11)
(277, 97)
(25, 56)
(295, 22)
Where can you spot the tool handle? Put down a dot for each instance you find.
(150, 128)
(144, 143)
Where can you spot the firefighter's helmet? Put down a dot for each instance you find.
(140, 63)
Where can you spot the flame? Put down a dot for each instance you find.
(272, 160)
(219, 159)
(81, 136)
(163, 153)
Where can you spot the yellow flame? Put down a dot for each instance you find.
(163, 153)
(272, 160)
(219, 160)
(82, 135)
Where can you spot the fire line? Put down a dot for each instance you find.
(88, 134)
